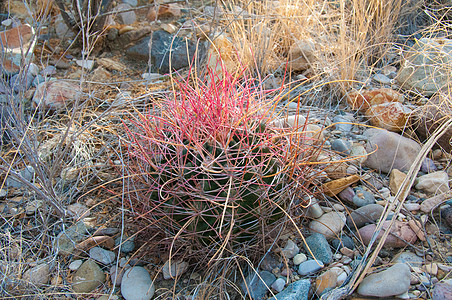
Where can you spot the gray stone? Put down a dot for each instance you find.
(428, 165)
(88, 277)
(174, 268)
(257, 286)
(309, 267)
(67, 239)
(317, 244)
(125, 16)
(299, 258)
(79, 210)
(393, 281)
(38, 79)
(344, 241)
(330, 224)
(442, 291)
(133, 3)
(314, 211)
(27, 174)
(363, 215)
(112, 34)
(116, 275)
(342, 146)
(383, 79)
(62, 30)
(101, 255)
(21, 83)
(75, 265)
(392, 151)
(347, 123)
(162, 43)
(347, 195)
(290, 249)
(269, 263)
(279, 284)
(426, 66)
(299, 290)
(127, 245)
(137, 284)
(409, 258)
(37, 275)
(363, 197)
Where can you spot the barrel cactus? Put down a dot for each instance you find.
(213, 169)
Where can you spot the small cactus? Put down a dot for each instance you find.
(212, 168)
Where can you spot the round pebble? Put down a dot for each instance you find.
(299, 258)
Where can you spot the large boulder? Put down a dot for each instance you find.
(427, 66)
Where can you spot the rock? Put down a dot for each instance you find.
(75, 265)
(342, 146)
(33, 206)
(37, 275)
(222, 56)
(334, 187)
(256, 286)
(430, 203)
(67, 239)
(347, 195)
(116, 275)
(88, 277)
(125, 15)
(137, 284)
(170, 10)
(416, 226)
(302, 55)
(269, 263)
(21, 82)
(432, 115)
(381, 78)
(359, 152)
(309, 267)
(299, 290)
(409, 258)
(279, 284)
(326, 281)
(390, 282)
(446, 215)
(400, 232)
(62, 30)
(55, 94)
(314, 211)
(290, 249)
(317, 244)
(426, 65)
(299, 258)
(365, 214)
(330, 224)
(177, 268)
(162, 43)
(101, 255)
(127, 245)
(442, 291)
(428, 165)
(343, 123)
(344, 241)
(86, 64)
(363, 100)
(392, 116)
(435, 183)
(48, 71)
(79, 211)
(392, 151)
(27, 174)
(395, 180)
(12, 42)
(363, 197)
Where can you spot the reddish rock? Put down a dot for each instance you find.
(400, 232)
(164, 11)
(55, 94)
(362, 100)
(392, 116)
(13, 42)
